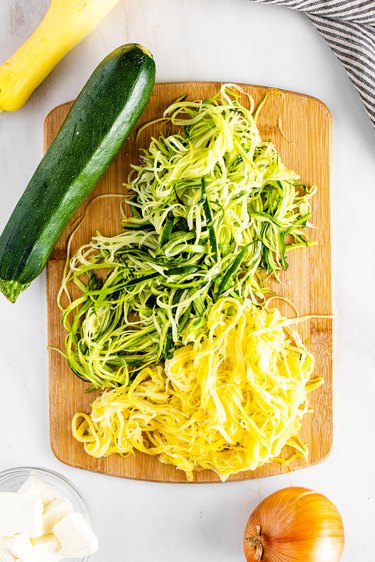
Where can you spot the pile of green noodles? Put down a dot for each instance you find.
(212, 205)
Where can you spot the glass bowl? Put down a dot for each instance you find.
(12, 479)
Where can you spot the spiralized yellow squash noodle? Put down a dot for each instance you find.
(228, 402)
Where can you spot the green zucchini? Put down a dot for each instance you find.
(99, 122)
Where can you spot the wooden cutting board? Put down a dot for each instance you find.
(300, 127)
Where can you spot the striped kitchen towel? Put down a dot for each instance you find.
(348, 26)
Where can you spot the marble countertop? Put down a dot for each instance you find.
(236, 41)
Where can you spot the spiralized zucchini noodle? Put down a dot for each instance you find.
(228, 402)
(212, 205)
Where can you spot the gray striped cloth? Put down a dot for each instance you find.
(348, 26)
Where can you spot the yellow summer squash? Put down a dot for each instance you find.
(65, 24)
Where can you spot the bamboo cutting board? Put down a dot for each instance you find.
(300, 127)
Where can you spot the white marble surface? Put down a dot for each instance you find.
(231, 40)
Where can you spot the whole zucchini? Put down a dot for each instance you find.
(99, 122)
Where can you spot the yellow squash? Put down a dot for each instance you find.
(65, 24)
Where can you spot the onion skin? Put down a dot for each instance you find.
(294, 525)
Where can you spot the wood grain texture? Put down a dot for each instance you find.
(300, 127)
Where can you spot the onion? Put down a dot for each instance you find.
(294, 525)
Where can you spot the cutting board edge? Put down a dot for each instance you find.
(316, 100)
(246, 476)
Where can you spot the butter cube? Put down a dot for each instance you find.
(75, 536)
(39, 489)
(54, 512)
(46, 549)
(20, 514)
(21, 548)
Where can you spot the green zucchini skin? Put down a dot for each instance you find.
(101, 119)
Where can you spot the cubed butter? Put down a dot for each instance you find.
(39, 489)
(54, 512)
(75, 536)
(20, 514)
(21, 548)
(46, 549)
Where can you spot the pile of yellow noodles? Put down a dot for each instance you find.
(228, 402)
